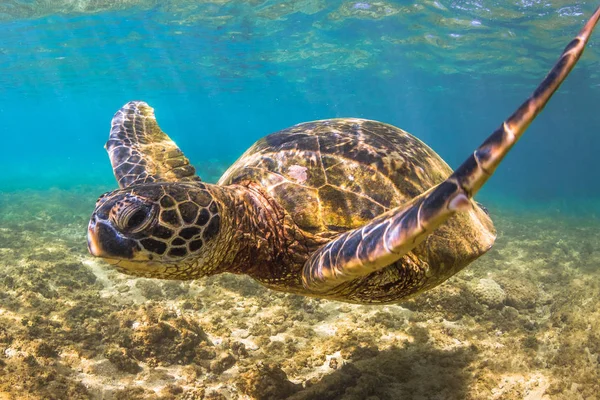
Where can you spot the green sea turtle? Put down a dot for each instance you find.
(346, 209)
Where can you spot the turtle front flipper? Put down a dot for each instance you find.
(390, 236)
(140, 152)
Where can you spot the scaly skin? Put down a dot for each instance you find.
(345, 209)
(257, 237)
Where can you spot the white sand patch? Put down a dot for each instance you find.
(533, 387)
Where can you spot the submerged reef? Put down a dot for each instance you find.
(523, 322)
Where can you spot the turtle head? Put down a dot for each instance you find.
(156, 230)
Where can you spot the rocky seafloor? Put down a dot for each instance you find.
(523, 322)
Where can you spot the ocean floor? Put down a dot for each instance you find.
(523, 322)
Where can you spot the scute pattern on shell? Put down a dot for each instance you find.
(335, 175)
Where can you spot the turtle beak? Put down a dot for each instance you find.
(92, 239)
(93, 246)
(105, 242)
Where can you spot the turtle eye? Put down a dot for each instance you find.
(136, 220)
(135, 217)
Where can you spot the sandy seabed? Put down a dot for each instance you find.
(523, 322)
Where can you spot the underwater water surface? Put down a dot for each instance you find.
(521, 322)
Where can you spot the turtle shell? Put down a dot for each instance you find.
(338, 174)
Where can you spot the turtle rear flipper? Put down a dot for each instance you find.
(140, 152)
(391, 235)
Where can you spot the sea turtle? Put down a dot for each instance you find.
(346, 209)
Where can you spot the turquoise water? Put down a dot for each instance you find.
(523, 321)
(223, 74)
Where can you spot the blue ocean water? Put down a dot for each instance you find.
(523, 321)
(220, 75)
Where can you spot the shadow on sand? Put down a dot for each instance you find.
(417, 371)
